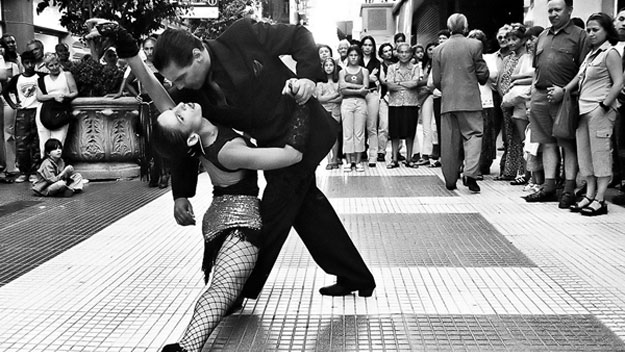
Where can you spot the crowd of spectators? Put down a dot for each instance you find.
(36, 76)
(518, 90)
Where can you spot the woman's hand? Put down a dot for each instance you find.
(183, 212)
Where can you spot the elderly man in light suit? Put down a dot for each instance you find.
(457, 68)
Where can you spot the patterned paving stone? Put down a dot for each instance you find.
(36, 229)
(406, 332)
(375, 186)
(432, 240)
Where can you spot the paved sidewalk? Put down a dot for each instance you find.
(455, 272)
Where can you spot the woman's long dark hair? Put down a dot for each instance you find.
(605, 21)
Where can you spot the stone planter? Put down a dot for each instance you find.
(104, 141)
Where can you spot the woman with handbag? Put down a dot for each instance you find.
(55, 91)
(600, 80)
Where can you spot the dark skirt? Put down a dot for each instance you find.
(402, 121)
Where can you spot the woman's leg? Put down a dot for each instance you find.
(427, 113)
(602, 186)
(395, 149)
(233, 266)
(373, 107)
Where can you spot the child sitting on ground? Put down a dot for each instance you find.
(54, 178)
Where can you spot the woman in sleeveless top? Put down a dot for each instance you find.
(353, 84)
(59, 85)
(232, 224)
(600, 80)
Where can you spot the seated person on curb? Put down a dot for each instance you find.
(232, 224)
(54, 178)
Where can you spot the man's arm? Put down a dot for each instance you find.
(481, 69)
(237, 155)
(436, 69)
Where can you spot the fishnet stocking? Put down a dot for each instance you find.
(233, 266)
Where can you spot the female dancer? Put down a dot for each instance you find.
(232, 223)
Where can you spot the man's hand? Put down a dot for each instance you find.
(183, 212)
(92, 31)
(300, 89)
(555, 94)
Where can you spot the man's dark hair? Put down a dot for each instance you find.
(578, 22)
(169, 143)
(533, 32)
(175, 45)
(605, 21)
(28, 55)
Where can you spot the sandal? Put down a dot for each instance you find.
(435, 163)
(392, 165)
(595, 208)
(583, 203)
(519, 181)
(412, 165)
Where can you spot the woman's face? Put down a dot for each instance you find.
(367, 47)
(514, 42)
(530, 44)
(353, 57)
(328, 67)
(11, 43)
(387, 52)
(54, 67)
(404, 54)
(185, 117)
(596, 34)
(324, 53)
(431, 50)
(419, 53)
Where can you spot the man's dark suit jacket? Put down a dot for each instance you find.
(246, 65)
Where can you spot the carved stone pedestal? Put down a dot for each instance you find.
(104, 140)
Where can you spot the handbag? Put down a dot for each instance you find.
(54, 114)
(566, 120)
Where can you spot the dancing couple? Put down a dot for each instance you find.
(239, 81)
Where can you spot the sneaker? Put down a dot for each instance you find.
(567, 199)
(32, 178)
(347, 167)
(529, 187)
(21, 178)
(372, 164)
(360, 167)
(435, 163)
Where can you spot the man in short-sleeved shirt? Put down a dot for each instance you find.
(560, 51)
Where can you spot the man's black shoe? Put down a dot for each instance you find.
(401, 157)
(541, 196)
(471, 183)
(381, 157)
(566, 200)
(450, 187)
(340, 290)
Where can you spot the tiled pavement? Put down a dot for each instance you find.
(455, 272)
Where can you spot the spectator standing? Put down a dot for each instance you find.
(457, 68)
(619, 127)
(353, 83)
(36, 46)
(58, 85)
(63, 53)
(386, 54)
(330, 98)
(372, 64)
(342, 50)
(11, 66)
(402, 80)
(489, 133)
(24, 88)
(560, 51)
(600, 80)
